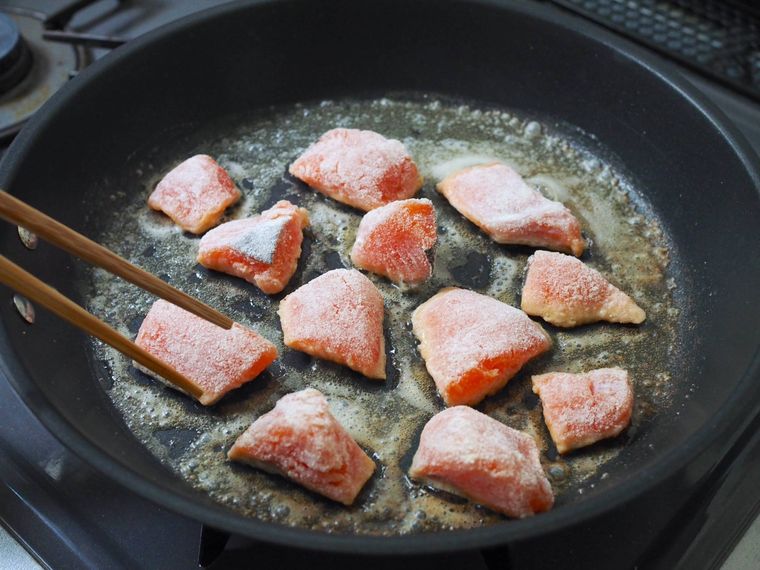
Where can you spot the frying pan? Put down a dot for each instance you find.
(692, 167)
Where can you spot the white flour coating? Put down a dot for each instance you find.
(338, 315)
(503, 201)
(584, 408)
(262, 243)
(459, 440)
(352, 166)
(214, 359)
(385, 417)
(566, 292)
(195, 193)
(460, 329)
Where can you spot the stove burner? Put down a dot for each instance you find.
(15, 57)
(32, 68)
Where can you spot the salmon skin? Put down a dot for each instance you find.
(581, 409)
(566, 292)
(360, 168)
(195, 194)
(263, 249)
(214, 359)
(394, 241)
(301, 440)
(497, 200)
(473, 344)
(467, 453)
(337, 316)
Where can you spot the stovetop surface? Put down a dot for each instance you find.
(70, 516)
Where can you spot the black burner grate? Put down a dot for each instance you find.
(718, 38)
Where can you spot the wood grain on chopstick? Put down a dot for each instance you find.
(35, 290)
(15, 211)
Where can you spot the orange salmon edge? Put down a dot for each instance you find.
(195, 194)
(473, 344)
(371, 171)
(394, 240)
(337, 316)
(472, 455)
(566, 292)
(301, 440)
(582, 409)
(263, 250)
(496, 199)
(215, 360)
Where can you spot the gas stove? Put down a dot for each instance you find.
(59, 513)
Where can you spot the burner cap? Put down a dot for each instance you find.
(15, 57)
(32, 68)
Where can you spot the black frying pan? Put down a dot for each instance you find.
(694, 171)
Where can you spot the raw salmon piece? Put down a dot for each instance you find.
(581, 409)
(214, 359)
(195, 194)
(301, 440)
(393, 241)
(339, 317)
(473, 344)
(469, 454)
(360, 168)
(263, 250)
(566, 292)
(497, 200)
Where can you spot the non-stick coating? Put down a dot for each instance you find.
(689, 166)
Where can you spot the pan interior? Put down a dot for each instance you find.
(627, 244)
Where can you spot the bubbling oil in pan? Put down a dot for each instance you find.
(385, 417)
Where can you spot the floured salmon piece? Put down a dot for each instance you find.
(263, 250)
(566, 292)
(393, 241)
(469, 454)
(337, 316)
(360, 168)
(195, 194)
(301, 440)
(214, 359)
(473, 344)
(497, 200)
(581, 409)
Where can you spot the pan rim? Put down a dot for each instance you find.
(704, 438)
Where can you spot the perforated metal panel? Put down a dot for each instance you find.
(720, 39)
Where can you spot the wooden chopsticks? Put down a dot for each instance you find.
(35, 290)
(17, 212)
